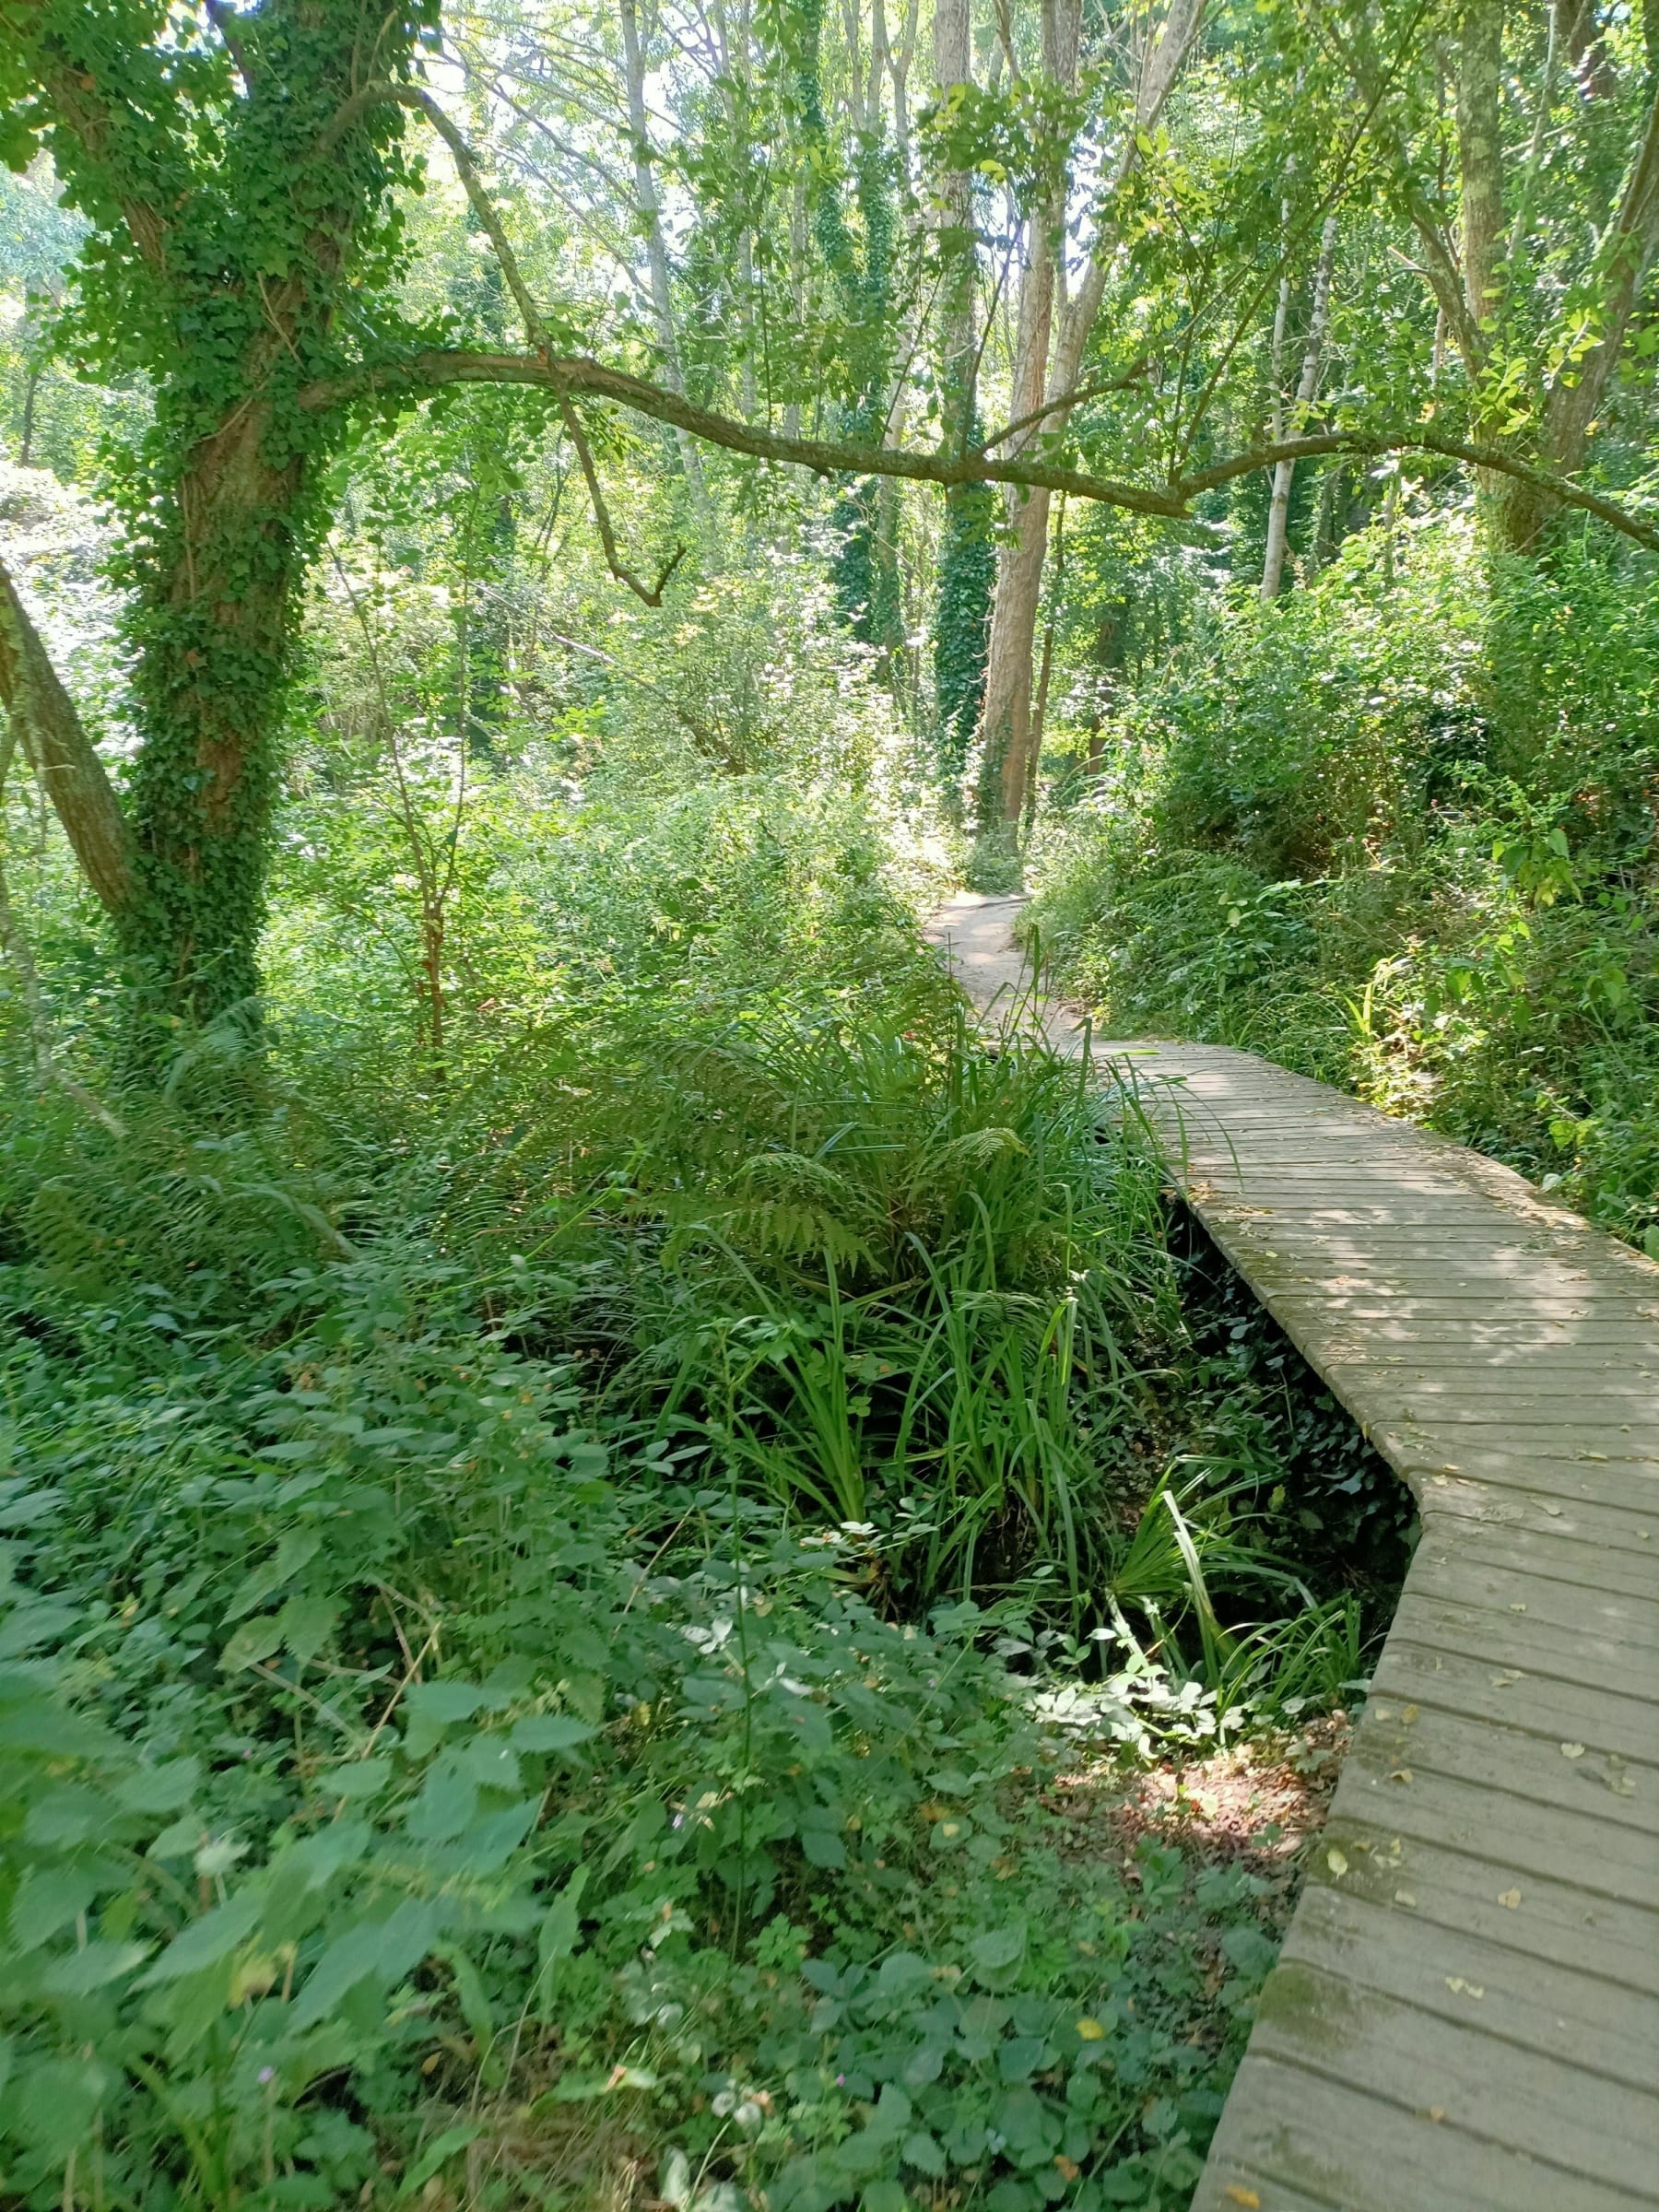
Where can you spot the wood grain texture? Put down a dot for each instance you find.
(1466, 2013)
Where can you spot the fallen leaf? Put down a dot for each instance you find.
(1336, 1862)
(1517, 1609)
(1404, 1897)
(1091, 2031)
(1410, 1713)
(1236, 2196)
(1460, 1988)
(1436, 2111)
(1572, 1750)
(1511, 1898)
(1401, 1774)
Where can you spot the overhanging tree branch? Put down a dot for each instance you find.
(536, 327)
(435, 368)
(651, 594)
(1473, 453)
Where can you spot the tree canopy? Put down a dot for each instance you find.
(1143, 207)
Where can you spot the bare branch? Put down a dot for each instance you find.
(1077, 397)
(650, 594)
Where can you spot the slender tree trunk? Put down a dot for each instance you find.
(797, 292)
(1307, 385)
(649, 207)
(1005, 717)
(31, 386)
(61, 756)
(966, 563)
(1006, 728)
(1480, 156)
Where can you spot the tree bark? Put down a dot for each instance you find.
(65, 762)
(1006, 727)
(1307, 385)
(1006, 714)
(1480, 156)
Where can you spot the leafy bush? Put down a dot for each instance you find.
(1397, 831)
(401, 1771)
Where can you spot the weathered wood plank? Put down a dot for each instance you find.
(1340, 2144)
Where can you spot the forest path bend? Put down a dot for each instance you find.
(1465, 2015)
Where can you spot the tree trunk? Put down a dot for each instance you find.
(649, 207)
(1307, 385)
(1480, 156)
(1576, 398)
(216, 618)
(61, 756)
(967, 562)
(1005, 717)
(1005, 727)
(236, 300)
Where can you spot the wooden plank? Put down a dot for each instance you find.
(1451, 1576)
(1341, 2144)
(1493, 1700)
(1608, 1939)
(1539, 2103)
(1577, 1567)
(1547, 2008)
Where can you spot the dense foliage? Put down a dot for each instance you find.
(593, 1473)
(541, 1612)
(1397, 830)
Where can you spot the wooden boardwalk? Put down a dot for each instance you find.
(1464, 2017)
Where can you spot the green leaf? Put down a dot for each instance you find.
(549, 1732)
(93, 1967)
(380, 1950)
(998, 1954)
(253, 1641)
(560, 1932)
(49, 1898)
(296, 1549)
(437, 2153)
(214, 1936)
(306, 1623)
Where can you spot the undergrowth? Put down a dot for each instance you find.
(1397, 831)
(545, 1591)
(541, 1670)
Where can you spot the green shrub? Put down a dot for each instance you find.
(1397, 831)
(399, 1771)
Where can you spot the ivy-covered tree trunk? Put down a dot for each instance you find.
(214, 580)
(966, 563)
(231, 246)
